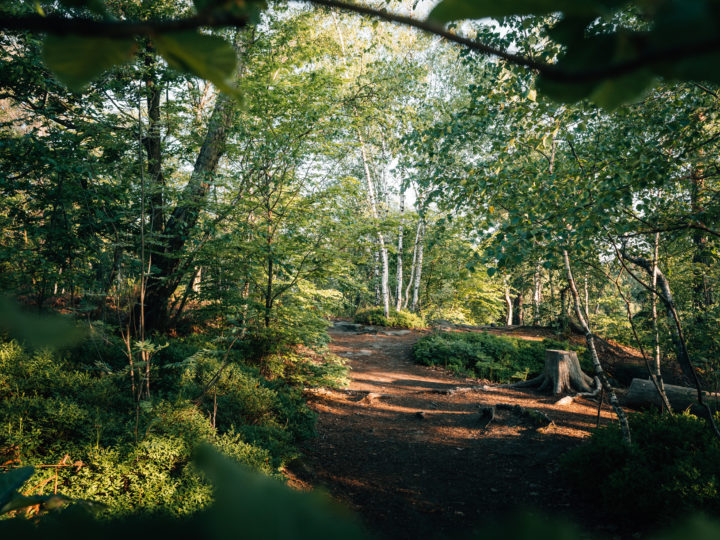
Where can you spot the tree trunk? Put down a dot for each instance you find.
(399, 295)
(599, 371)
(509, 303)
(537, 294)
(163, 281)
(413, 268)
(372, 202)
(376, 277)
(519, 312)
(656, 332)
(152, 141)
(702, 257)
(418, 270)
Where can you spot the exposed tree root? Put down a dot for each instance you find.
(562, 375)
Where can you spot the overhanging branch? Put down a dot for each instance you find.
(59, 25)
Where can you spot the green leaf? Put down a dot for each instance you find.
(11, 481)
(209, 57)
(77, 60)
(453, 10)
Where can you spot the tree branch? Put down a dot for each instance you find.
(59, 25)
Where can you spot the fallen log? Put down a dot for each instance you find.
(643, 394)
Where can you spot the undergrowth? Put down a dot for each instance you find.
(75, 409)
(671, 469)
(483, 355)
(396, 319)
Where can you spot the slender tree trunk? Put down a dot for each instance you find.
(599, 371)
(418, 269)
(152, 141)
(268, 292)
(509, 304)
(587, 299)
(413, 267)
(376, 275)
(519, 311)
(537, 294)
(399, 293)
(655, 375)
(701, 256)
(656, 333)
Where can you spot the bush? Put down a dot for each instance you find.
(397, 319)
(672, 468)
(76, 403)
(484, 355)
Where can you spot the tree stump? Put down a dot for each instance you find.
(562, 375)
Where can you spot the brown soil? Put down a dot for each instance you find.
(437, 473)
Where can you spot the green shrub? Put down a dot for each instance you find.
(397, 319)
(75, 403)
(672, 468)
(484, 355)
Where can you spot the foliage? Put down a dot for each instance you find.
(397, 319)
(68, 404)
(671, 469)
(244, 503)
(484, 355)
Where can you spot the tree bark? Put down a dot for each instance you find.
(418, 270)
(537, 293)
(519, 311)
(509, 304)
(399, 295)
(656, 333)
(413, 266)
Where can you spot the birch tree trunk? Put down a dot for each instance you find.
(399, 295)
(412, 267)
(376, 277)
(372, 201)
(537, 294)
(509, 303)
(656, 333)
(599, 371)
(418, 269)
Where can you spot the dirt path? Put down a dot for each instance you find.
(437, 473)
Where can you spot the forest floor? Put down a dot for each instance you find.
(414, 461)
